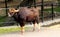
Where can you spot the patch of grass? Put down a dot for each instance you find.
(2, 18)
(57, 9)
(10, 30)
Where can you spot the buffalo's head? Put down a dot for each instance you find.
(12, 11)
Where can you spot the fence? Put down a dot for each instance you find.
(48, 10)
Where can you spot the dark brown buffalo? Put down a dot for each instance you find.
(23, 15)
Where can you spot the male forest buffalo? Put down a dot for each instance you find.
(23, 15)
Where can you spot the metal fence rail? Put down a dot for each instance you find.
(44, 15)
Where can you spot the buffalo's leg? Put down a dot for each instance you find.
(22, 27)
(34, 25)
(38, 27)
(38, 24)
(22, 30)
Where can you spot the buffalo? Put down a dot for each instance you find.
(23, 15)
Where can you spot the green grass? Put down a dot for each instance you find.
(10, 30)
(2, 18)
(57, 9)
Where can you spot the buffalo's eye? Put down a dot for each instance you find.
(11, 12)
